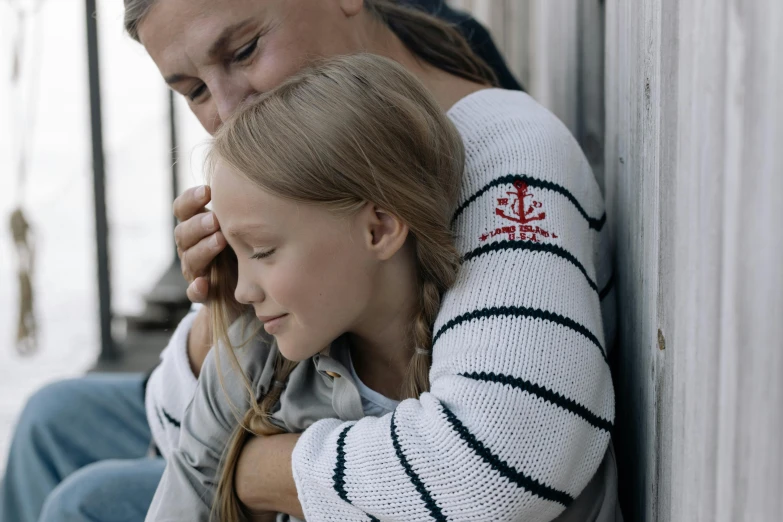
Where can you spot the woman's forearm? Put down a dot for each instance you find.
(199, 340)
(264, 479)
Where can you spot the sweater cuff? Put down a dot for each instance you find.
(312, 463)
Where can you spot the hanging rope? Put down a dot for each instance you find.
(21, 232)
(26, 330)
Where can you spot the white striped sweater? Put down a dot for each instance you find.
(521, 404)
(170, 389)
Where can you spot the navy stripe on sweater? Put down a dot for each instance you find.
(339, 470)
(607, 288)
(174, 422)
(519, 311)
(594, 223)
(530, 484)
(546, 394)
(531, 246)
(433, 508)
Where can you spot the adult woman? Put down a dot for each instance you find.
(79, 447)
(555, 425)
(210, 51)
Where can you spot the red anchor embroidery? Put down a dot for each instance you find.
(521, 207)
(522, 210)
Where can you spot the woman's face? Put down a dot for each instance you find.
(217, 53)
(299, 262)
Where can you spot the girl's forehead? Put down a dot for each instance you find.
(241, 205)
(232, 192)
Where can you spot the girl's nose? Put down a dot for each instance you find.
(248, 292)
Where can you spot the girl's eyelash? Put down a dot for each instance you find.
(262, 255)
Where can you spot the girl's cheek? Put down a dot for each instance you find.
(286, 288)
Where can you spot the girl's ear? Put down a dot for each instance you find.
(383, 233)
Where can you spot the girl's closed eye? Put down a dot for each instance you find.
(263, 255)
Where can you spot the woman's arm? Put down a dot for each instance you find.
(199, 340)
(521, 403)
(170, 388)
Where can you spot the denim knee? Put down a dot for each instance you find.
(66, 503)
(108, 491)
(48, 409)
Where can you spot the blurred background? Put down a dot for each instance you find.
(45, 115)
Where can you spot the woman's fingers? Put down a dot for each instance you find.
(191, 231)
(198, 291)
(191, 202)
(198, 239)
(196, 259)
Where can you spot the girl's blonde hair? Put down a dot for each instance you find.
(344, 132)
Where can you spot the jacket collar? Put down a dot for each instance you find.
(332, 364)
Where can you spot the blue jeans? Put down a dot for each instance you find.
(79, 454)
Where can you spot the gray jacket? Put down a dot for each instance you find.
(319, 388)
(187, 487)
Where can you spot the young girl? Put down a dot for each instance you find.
(335, 192)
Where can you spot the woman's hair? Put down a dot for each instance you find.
(435, 41)
(342, 133)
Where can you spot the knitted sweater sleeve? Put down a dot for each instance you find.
(521, 403)
(170, 388)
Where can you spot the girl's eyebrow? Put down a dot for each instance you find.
(249, 231)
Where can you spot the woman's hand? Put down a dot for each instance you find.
(198, 238)
(264, 478)
(199, 241)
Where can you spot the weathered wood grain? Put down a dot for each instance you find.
(727, 461)
(556, 50)
(690, 94)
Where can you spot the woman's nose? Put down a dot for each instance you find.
(229, 96)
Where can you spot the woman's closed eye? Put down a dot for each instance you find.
(197, 92)
(246, 51)
(263, 255)
(241, 56)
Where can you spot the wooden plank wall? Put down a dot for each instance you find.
(727, 414)
(692, 169)
(556, 50)
(639, 161)
(694, 176)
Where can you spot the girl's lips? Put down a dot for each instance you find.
(272, 324)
